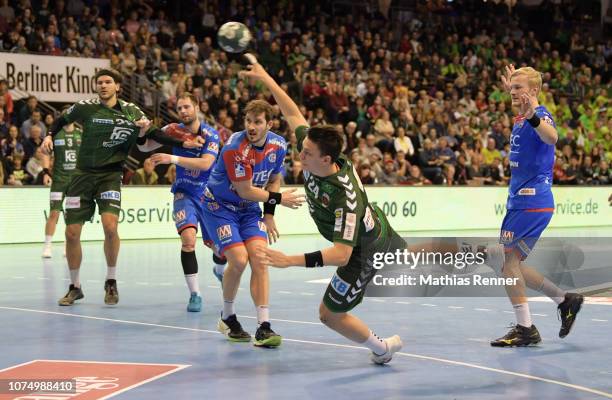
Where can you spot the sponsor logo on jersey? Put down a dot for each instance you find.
(70, 155)
(55, 196)
(179, 196)
(73, 202)
(514, 164)
(514, 140)
(368, 221)
(119, 136)
(59, 142)
(272, 157)
(239, 170)
(340, 286)
(212, 206)
(325, 199)
(261, 178)
(262, 226)
(103, 121)
(180, 215)
(213, 146)
(527, 192)
(349, 226)
(277, 142)
(338, 225)
(224, 232)
(110, 195)
(506, 237)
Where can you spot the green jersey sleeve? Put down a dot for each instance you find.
(78, 112)
(300, 134)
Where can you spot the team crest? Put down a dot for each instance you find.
(262, 226)
(213, 206)
(325, 199)
(272, 157)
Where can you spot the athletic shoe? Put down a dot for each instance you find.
(266, 337)
(232, 329)
(218, 275)
(567, 312)
(394, 344)
(74, 293)
(195, 303)
(519, 336)
(47, 253)
(112, 294)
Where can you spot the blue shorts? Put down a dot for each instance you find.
(187, 213)
(521, 229)
(227, 228)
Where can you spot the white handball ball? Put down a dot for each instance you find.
(234, 37)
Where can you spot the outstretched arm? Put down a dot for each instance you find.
(290, 110)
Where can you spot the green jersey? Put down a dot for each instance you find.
(338, 204)
(108, 133)
(65, 150)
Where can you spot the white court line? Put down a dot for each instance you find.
(346, 346)
(599, 320)
(284, 292)
(429, 305)
(378, 300)
(214, 287)
(142, 283)
(509, 312)
(455, 307)
(307, 294)
(540, 315)
(402, 302)
(284, 320)
(42, 278)
(482, 309)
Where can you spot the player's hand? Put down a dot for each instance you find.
(144, 124)
(197, 143)
(528, 105)
(505, 78)
(255, 70)
(274, 258)
(291, 199)
(47, 144)
(273, 234)
(161, 158)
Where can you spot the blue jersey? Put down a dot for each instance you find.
(193, 181)
(531, 165)
(241, 161)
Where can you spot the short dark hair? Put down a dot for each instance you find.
(187, 95)
(109, 72)
(258, 107)
(328, 140)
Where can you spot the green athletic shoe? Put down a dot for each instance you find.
(74, 293)
(232, 329)
(266, 337)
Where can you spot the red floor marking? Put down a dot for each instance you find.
(94, 380)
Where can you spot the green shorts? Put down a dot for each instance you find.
(88, 188)
(58, 192)
(348, 285)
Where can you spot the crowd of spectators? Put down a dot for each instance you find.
(416, 92)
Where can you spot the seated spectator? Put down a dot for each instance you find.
(34, 167)
(33, 142)
(12, 145)
(403, 142)
(494, 174)
(389, 175)
(490, 152)
(429, 162)
(18, 176)
(170, 175)
(365, 174)
(416, 178)
(602, 175)
(145, 175)
(572, 172)
(463, 172)
(35, 119)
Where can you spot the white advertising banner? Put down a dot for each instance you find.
(51, 78)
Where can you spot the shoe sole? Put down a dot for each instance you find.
(517, 345)
(224, 329)
(111, 302)
(272, 342)
(575, 315)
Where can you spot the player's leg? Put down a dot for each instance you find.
(108, 197)
(186, 220)
(219, 262)
(237, 258)
(56, 196)
(79, 208)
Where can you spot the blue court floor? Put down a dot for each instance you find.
(446, 352)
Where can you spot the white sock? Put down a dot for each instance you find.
(111, 272)
(48, 239)
(219, 268)
(74, 277)
(553, 291)
(228, 309)
(263, 314)
(192, 283)
(376, 344)
(523, 316)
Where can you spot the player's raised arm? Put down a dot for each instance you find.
(290, 110)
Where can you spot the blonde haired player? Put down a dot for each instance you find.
(530, 208)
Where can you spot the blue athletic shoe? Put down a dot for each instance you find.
(218, 275)
(195, 303)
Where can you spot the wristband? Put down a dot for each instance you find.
(534, 121)
(314, 259)
(269, 208)
(140, 140)
(174, 159)
(274, 198)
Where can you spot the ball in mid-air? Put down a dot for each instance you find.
(234, 37)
